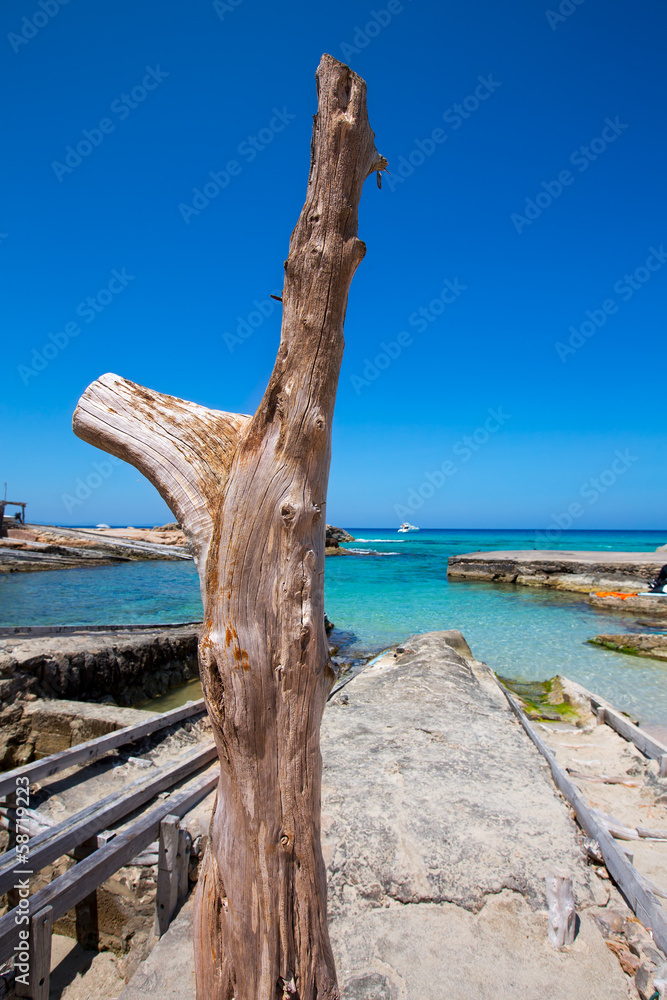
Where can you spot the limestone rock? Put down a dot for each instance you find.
(338, 535)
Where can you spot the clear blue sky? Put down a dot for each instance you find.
(170, 93)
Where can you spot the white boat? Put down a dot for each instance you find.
(407, 527)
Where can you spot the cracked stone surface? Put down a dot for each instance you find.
(440, 823)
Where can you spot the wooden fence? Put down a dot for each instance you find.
(25, 930)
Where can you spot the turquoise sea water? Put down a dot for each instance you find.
(393, 586)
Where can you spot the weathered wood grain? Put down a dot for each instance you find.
(46, 847)
(562, 913)
(75, 884)
(250, 494)
(182, 448)
(35, 986)
(166, 895)
(629, 731)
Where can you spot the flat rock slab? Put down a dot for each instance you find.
(654, 606)
(23, 648)
(168, 973)
(440, 823)
(130, 665)
(635, 643)
(577, 571)
(43, 547)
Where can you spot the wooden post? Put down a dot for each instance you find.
(183, 862)
(11, 803)
(35, 983)
(250, 493)
(601, 715)
(662, 761)
(562, 914)
(166, 897)
(85, 912)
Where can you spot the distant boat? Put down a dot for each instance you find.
(407, 527)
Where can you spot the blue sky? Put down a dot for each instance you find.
(524, 217)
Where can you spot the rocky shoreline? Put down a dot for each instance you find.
(30, 547)
(635, 644)
(334, 537)
(580, 572)
(655, 606)
(123, 665)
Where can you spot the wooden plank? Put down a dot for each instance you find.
(61, 839)
(92, 749)
(166, 896)
(34, 983)
(624, 874)
(69, 888)
(642, 740)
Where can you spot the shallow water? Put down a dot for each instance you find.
(394, 586)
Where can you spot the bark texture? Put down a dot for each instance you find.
(250, 493)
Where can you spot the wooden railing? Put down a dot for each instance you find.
(25, 930)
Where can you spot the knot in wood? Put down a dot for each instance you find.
(317, 513)
(284, 840)
(288, 985)
(287, 512)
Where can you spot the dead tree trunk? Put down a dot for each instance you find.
(250, 493)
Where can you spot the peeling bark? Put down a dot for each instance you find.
(250, 493)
